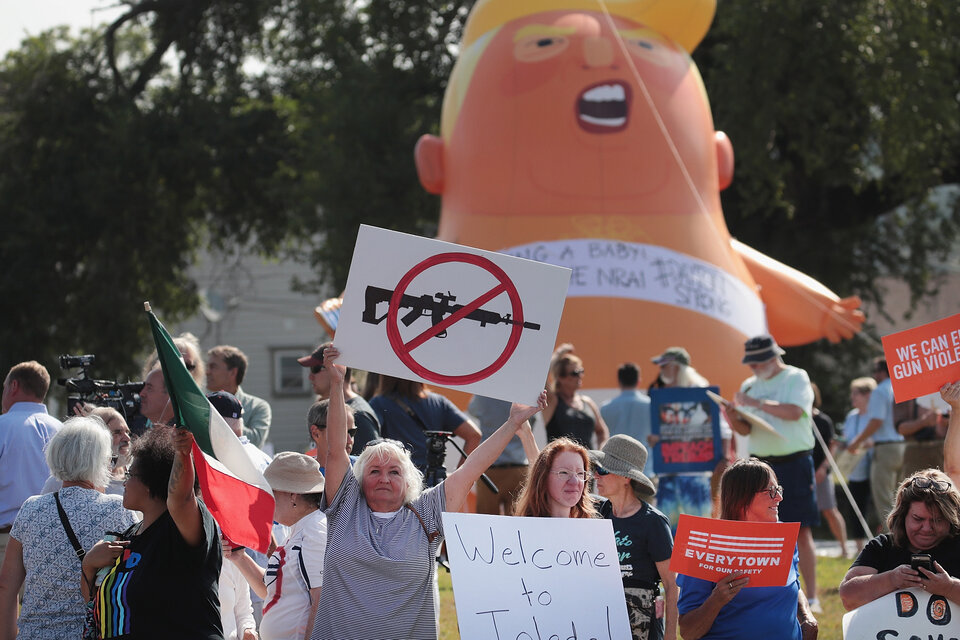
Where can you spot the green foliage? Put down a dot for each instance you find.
(844, 120)
(271, 123)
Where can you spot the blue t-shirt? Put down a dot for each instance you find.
(768, 612)
(435, 411)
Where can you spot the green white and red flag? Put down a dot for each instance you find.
(234, 490)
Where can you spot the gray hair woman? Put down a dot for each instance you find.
(40, 555)
(384, 531)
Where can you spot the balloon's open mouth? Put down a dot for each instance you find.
(604, 107)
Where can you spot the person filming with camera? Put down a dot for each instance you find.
(922, 549)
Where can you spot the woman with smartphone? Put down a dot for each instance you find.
(923, 547)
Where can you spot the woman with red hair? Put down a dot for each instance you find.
(556, 486)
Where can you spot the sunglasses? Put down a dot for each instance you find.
(576, 373)
(397, 443)
(601, 471)
(317, 368)
(923, 482)
(773, 492)
(190, 365)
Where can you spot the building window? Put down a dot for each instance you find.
(289, 378)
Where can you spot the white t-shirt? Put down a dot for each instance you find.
(294, 568)
(236, 610)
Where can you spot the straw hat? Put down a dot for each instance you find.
(624, 456)
(294, 473)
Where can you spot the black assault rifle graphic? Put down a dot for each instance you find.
(437, 306)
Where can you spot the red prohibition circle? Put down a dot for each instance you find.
(403, 349)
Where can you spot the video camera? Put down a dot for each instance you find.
(122, 396)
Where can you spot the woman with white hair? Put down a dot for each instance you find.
(384, 529)
(53, 531)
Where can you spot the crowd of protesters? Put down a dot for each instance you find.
(103, 533)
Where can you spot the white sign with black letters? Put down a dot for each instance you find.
(908, 613)
(535, 578)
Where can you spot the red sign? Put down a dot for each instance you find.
(711, 549)
(923, 359)
(504, 285)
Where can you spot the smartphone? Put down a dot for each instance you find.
(924, 560)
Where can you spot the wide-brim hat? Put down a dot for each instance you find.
(624, 456)
(761, 349)
(294, 473)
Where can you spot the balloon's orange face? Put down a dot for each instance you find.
(572, 109)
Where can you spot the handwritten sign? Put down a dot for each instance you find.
(910, 613)
(609, 268)
(711, 549)
(449, 315)
(924, 358)
(688, 424)
(535, 578)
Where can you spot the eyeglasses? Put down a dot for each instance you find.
(317, 368)
(923, 482)
(773, 492)
(601, 471)
(566, 476)
(576, 373)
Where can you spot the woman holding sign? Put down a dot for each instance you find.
(642, 534)
(383, 529)
(725, 609)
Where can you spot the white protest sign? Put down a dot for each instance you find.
(909, 613)
(535, 578)
(449, 315)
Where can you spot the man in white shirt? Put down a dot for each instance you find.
(25, 430)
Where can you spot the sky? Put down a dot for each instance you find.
(19, 18)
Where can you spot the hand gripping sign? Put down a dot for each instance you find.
(907, 613)
(711, 549)
(454, 316)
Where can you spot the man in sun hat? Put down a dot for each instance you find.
(781, 395)
(642, 533)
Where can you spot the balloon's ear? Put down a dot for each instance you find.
(428, 155)
(724, 159)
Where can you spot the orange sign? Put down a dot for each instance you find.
(923, 359)
(711, 549)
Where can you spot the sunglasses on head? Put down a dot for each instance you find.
(923, 482)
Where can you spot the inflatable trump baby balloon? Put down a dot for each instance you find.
(578, 132)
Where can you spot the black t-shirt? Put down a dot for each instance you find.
(881, 554)
(161, 587)
(643, 539)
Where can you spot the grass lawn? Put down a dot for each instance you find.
(829, 573)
